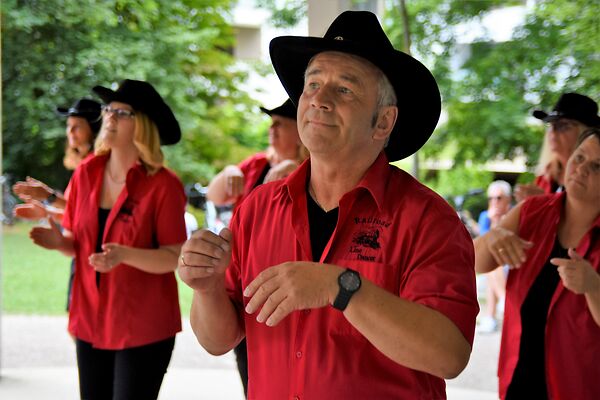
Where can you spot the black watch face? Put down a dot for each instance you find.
(350, 281)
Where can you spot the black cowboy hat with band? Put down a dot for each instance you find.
(84, 108)
(359, 33)
(142, 96)
(572, 106)
(287, 109)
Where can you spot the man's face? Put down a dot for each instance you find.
(337, 105)
(283, 136)
(498, 204)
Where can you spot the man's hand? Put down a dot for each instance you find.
(32, 189)
(577, 274)
(48, 238)
(234, 181)
(294, 285)
(204, 259)
(281, 170)
(112, 256)
(506, 247)
(526, 190)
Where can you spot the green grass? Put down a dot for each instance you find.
(34, 280)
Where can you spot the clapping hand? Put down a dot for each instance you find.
(577, 274)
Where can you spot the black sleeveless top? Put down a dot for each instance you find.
(102, 218)
(529, 378)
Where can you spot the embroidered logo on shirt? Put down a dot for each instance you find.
(367, 238)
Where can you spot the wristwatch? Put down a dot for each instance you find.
(349, 283)
(51, 198)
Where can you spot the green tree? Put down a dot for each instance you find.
(55, 51)
(489, 98)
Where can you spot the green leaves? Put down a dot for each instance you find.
(55, 51)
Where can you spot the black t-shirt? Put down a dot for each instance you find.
(322, 224)
(262, 176)
(529, 378)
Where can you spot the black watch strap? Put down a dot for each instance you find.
(51, 198)
(349, 282)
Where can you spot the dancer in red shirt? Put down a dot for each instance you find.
(349, 279)
(550, 337)
(124, 223)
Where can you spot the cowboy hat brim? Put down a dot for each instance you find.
(593, 120)
(419, 103)
(155, 108)
(287, 109)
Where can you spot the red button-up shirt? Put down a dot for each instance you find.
(131, 307)
(396, 233)
(572, 339)
(252, 168)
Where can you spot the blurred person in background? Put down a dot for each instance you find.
(83, 124)
(550, 336)
(499, 202)
(124, 223)
(284, 154)
(41, 201)
(572, 114)
(231, 186)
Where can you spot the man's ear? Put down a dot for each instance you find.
(385, 122)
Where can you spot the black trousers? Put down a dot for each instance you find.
(241, 358)
(128, 374)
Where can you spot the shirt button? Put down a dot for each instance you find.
(298, 354)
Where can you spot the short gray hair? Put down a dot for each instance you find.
(502, 185)
(386, 95)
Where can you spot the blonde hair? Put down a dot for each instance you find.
(548, 161)
(73, 157)
(145, 138)
(301, 154)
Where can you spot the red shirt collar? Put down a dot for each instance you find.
(374, 181)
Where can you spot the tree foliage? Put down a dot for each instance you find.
(55, 51)
(489, 98)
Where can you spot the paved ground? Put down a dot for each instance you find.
(38, 362)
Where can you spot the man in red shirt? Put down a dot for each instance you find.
(349, 279)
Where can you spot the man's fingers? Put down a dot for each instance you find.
(261, 290)
(204, 239)
(575, 255)
(226, 235)
(188, 274)
(189, 259)
(263, 277)
(271, 305)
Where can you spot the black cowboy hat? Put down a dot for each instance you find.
(359, 33)
(84, 108)
(287, 109)
(572, 106)
(142, 96)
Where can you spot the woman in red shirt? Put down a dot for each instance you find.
(550, 346)
(83, 124)
(124, 223)
(572, 114)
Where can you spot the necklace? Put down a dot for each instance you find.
(313, 196)
(113, 179)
